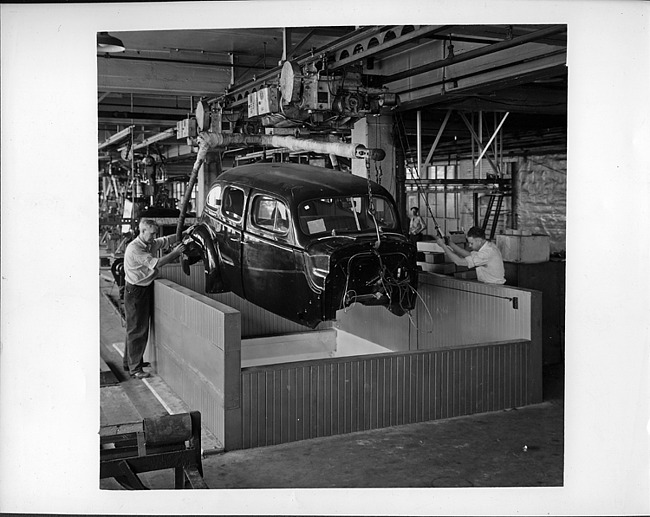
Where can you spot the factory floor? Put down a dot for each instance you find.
(522, 447)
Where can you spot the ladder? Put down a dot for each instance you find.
(491, 213)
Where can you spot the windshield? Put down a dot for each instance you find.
(349, 214)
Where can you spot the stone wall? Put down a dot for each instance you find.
(541, 207)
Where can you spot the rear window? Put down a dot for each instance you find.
(214, 197)
(270, 214)
(348, 214)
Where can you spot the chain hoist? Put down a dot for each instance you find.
(371, 204)
(378, 173)
(370, 200)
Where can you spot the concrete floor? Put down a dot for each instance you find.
(521, 447)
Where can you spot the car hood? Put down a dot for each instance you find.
(362, 271)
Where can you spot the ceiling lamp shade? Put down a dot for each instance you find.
(108, 43)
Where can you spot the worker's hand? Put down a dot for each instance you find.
(440, 241)
(189, 230)
(178, 249)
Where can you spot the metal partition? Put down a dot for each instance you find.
(450, 312)
(285, 403)
(467, 348)
(195, 347)
(255, 321)
(442, 371)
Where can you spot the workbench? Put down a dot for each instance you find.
(130, 444)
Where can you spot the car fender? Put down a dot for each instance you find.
(201, 239)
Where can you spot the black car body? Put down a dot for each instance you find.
(303, 242)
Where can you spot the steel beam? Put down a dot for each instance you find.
(438, 136)
(427, 30)
(221, 66)
(297, 47)
(171, 132)
(160, 78)
(480, 52)
(496, 132)
(498, 77)
(478, 142)
(120, 135)
(419, 142)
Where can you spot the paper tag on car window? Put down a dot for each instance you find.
(316, 226)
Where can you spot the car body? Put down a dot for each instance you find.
(303, 242)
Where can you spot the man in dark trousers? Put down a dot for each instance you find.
(141, 267)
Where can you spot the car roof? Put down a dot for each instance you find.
(299, 182)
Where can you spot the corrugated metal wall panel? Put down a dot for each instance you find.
(463, 312)
(294, 401)
(285, 403)
(255, 321)
(450, 312)
(206, 375)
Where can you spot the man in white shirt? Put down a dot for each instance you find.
(141, 266)
(484, 256)
(416, 226)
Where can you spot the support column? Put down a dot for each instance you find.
(208, 172)
(376, 132)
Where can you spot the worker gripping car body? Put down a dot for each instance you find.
(141, 267)
(484, 256)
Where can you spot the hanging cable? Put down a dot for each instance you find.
(416, 178)
(371, 205)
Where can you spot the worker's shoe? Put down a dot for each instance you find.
(143, 364)
(140, 375)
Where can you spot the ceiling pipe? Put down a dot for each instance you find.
(214, 140)
(208, 64)
(200, 159)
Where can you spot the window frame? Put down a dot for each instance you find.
(226, 215)
(215, 206)
(255, 200)
(303, 225)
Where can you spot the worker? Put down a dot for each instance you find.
(484, 256)
(141, 267)
(416, 225)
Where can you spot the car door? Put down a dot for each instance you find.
(270, 274)
(229, 236)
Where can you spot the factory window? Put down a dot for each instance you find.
(233, 203)
(270, 214)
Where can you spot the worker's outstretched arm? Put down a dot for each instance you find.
(171, 256)
(461, 252)
(450, 254)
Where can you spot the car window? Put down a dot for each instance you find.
(346, 214)
(270, 214)
(213, 199)
(233, 203)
